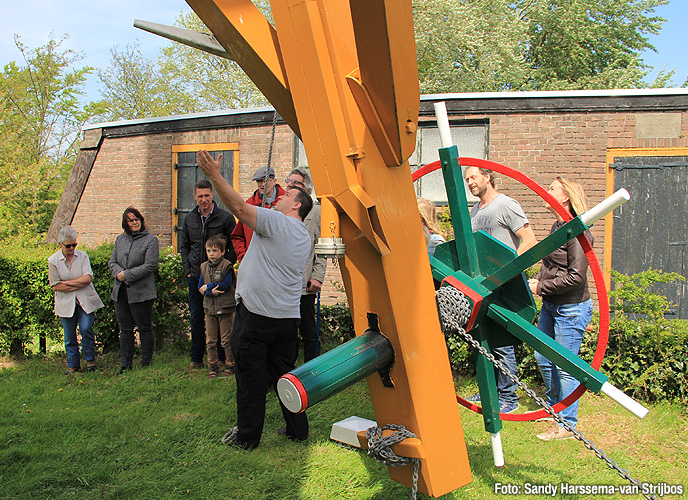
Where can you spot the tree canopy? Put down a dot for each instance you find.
(40, 120)
(462, 46)
(495, 45)
(181, 80)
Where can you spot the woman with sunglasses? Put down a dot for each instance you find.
(132, 264)
(71, 278)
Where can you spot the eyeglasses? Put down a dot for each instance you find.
(71, 245)
(294, 181)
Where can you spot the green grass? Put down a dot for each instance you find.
(155, 434)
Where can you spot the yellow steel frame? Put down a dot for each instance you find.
(344, 76)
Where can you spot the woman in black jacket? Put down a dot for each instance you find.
(566, 304)
(132, 265)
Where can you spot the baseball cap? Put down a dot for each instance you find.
(260, 173)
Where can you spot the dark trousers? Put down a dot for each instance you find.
(139, 314)
(264, 350)
(307, 327)
(197, 320)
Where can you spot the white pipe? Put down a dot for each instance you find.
(626, 401)
(443, 124)
(497, 450)
(602, 209)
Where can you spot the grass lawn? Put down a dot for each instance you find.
(155, 434)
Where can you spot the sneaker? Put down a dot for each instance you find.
(282, 431)
(232, 437)
(475, 398)
(555, 433)
(228, 371)
(91, 366)
(508, 407)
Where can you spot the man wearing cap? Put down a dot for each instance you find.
(241, 236)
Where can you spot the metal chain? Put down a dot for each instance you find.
(335, 260)
(380, 448)
(267, 168)
(453, 307)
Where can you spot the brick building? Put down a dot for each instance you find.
(606, 139)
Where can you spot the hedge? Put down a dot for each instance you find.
(27, 302)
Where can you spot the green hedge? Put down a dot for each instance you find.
(27, 303)
(646, 356)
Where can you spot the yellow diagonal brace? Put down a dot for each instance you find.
(252, 42)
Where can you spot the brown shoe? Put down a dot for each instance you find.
(71, 370)
(195, 366)
(91, 366)
(555, 433)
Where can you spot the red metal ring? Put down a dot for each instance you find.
(598, 277)
(300, 388)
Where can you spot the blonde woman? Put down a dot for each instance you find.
(431, 228)
(566, 304)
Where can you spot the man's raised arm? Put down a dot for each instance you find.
(243, 211)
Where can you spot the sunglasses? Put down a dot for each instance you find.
(71, 245)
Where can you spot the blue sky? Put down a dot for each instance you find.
(95, 27)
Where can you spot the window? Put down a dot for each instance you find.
(186, 174)
(470, 138)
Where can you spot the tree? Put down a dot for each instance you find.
(217, 83)
(588, 43)
(468, 46)
(181, 80)
(488, 45)
(40, 120)
(134, 87)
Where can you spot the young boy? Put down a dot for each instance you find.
(217, 285)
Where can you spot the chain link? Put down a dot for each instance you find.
(335, 260)
(454, 311)
(380, 448)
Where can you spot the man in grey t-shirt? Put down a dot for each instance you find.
(264, 337)
(502, 218)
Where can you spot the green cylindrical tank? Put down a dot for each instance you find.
(334, 371)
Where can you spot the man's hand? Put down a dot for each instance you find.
(216, 291)
(533, 284)
(210, 167)
(120, 276)
(313, 286)
(203, 289)
(243, 211)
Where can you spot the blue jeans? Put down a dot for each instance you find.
(506, 388)
(566, 324)
(88, 338)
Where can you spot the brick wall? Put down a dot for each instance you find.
(138, 170)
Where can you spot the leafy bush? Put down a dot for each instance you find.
(647, 355)
(336, 325)
(27, 302)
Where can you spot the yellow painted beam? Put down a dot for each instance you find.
(252, 42)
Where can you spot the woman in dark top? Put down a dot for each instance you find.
(132, 265)
(566, 304)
